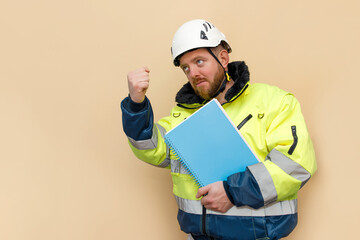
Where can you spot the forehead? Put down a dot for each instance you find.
(192, 55)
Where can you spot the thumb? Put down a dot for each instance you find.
(147, 69)
(202, 191)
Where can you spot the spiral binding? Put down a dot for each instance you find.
(183, 162)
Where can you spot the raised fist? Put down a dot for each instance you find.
(138, 83)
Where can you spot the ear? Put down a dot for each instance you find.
(224, 58)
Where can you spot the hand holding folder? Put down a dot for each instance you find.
(215, 197)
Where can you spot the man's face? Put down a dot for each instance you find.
(203, 72)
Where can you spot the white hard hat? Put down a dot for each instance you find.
(196, 34)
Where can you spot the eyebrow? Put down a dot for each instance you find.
(197, 57)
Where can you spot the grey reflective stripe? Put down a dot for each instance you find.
(189, 206)
(148, 143)
(289, 166)
(273, 209)
(265, 182)
(162, 130)
(166, 162)
(151, 143)
(177, 167)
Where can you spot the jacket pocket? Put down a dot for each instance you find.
(293, 146)
(244, 121)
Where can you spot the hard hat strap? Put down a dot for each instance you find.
(226, 75)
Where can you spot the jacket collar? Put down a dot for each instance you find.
(238, 71)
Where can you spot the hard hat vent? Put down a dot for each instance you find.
(203, 35)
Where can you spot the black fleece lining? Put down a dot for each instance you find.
(238, 71)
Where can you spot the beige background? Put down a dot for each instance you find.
(66, 171)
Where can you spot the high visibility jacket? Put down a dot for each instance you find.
(265, 194)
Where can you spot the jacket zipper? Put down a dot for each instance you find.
(204, 222)
(293, 146)
(244, 121)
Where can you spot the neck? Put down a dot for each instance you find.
(221, 96)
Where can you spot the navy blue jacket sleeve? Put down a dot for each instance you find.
(137, 119)
(242, 189)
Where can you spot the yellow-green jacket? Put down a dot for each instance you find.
(265, 195)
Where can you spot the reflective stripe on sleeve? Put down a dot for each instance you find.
(166, 162)
(152, 143)
(265, 182)
(177, 167)
(161, 129)
(273, 209)
(289, 166)
(149, 143)
(146, 144)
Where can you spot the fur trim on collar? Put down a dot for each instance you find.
(238, 71)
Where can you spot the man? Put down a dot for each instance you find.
(259, 203)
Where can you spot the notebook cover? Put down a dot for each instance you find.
(209, 145)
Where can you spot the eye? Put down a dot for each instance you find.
(185, 68)
(199, 62)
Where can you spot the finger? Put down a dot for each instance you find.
(142, 86)
(143, 71)
(135, 81)
(139, 71)
(143, 76)
(205, 202)
(202, 191)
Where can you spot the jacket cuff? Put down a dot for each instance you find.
(136, 107)
(245, 190)
(137, 120)
(226, 187)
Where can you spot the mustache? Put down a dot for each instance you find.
(198, 80)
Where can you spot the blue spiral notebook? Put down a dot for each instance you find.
(209, 145)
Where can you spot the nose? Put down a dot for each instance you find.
(193, 72)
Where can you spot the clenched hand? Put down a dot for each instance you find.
(138, 83)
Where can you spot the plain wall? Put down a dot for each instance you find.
(66, 171)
